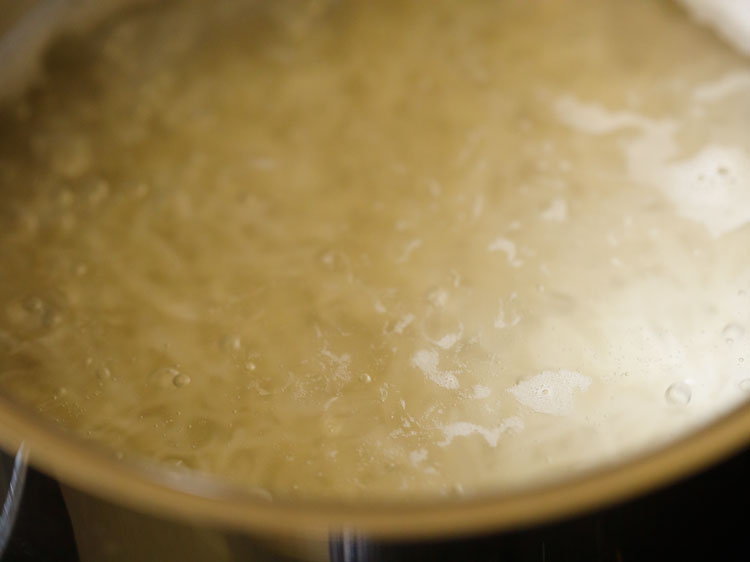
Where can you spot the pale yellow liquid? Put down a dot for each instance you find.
(380, 249)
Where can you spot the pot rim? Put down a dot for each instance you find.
(204, 499)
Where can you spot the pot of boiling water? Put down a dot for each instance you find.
(298, 269)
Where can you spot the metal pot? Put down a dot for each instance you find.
(128, 511)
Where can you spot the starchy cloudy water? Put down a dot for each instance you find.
(375, 249)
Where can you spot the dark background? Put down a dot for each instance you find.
(706, 517)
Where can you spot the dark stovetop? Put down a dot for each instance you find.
(703, 518)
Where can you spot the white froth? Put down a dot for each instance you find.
(438, 297)
(551, 392)
(727, 85)
(449, 340)
(556, 211)
(427, 360)
(480, 391)
(712, 188)
(402, 324)
(594, 118)
(709, 188)
(500, 320)
(491, 435)
(417, 456)
(508, 247)
(410, 247)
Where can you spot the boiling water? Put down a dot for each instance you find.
(379, 249)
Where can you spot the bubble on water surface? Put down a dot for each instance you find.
(679, 394)
(163, 377)
(181, 380)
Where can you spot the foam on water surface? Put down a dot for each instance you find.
(551, 392)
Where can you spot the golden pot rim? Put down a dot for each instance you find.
(202, 499)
